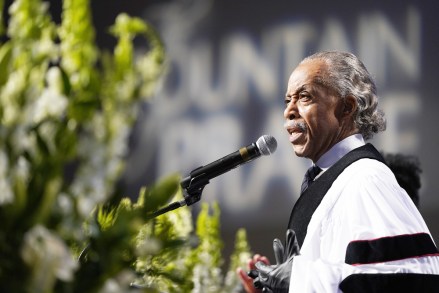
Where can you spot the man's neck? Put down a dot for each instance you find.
(339, 150)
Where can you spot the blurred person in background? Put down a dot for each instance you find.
(407, 170)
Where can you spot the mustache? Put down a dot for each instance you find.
(292, 124)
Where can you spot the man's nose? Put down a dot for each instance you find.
(291, 111)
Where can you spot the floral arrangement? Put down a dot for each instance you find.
(66, 112)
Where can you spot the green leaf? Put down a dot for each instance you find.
(67, 86)
(105, 217)
(5, 58)
(2, 28)
(127, 25)
(162, 192)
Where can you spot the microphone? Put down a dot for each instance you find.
(199, 177)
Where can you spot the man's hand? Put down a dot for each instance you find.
(276, 278)
(246, 280)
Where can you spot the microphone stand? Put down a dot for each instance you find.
(192, 191)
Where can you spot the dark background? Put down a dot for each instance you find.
(205, 110)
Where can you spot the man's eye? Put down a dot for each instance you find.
(304, 96)
(287, 102)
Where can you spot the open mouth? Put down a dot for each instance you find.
(296, 130)
(296, 137)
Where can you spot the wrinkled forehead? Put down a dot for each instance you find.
(307, 73)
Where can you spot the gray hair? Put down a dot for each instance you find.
(348, 76)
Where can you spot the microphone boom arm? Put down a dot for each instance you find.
(194, 184)
(192, 191)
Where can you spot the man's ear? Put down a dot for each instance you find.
(350, 106)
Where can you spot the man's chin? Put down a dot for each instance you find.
(299, 150)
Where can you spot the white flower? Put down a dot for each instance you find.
(6, 195)
(22, 169)
(47, 131)
(85, 206)
(207, 279)
(149, 246)
(23, 140)
(45, 47)
(182, 222)
(120, 130)
(119, 284)
(54, 79)
(65, 203)
(48, 257)
(9, 96)
(51, 103)
(97, 126)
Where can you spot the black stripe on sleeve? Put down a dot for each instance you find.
(389, 249)
(390, 283)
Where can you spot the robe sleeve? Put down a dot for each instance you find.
(366, 235)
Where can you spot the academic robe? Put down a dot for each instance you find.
(364, 233)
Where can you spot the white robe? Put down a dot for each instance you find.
(365, 202)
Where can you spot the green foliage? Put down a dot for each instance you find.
(206, 259)
(241, 254)
(188, 261)
(113, 246)
(66, 111)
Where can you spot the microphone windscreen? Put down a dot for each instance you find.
(266, 144)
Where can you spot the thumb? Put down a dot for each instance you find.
(292, 246)
(263, 268)
(279, 251)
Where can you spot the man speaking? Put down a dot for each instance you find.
(353, 228)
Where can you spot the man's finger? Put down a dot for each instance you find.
(246, 281)
(263, 268)
(256, 258)
(252, 274)
(279, 251)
